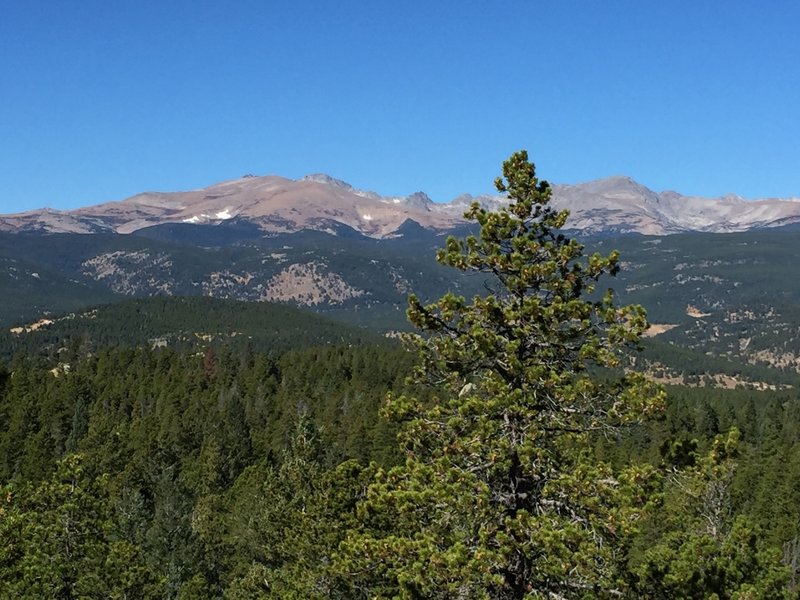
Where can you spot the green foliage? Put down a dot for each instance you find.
(499, 496)
(185, 323)
(44, 274)
(706, 551)
(180, 434)
(232, 467)
(57, 541)
(279, 525)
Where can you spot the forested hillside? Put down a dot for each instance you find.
(181, 323)
(198, 472)
(171, 464)
(345, 275)
(731, 297)
(207, 449)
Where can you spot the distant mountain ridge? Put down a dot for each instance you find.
(320, 202)
(622, 205)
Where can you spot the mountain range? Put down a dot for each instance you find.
(354, 256)
(320, 202)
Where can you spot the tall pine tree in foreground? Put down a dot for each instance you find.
(499, 495)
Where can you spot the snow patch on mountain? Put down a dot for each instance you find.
(318, 201)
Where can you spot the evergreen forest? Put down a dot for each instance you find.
(200, 449)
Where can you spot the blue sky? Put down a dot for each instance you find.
(101, 100)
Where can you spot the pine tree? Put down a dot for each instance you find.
(274, 532)
(708, 551)
(499, 495)
(56, 542)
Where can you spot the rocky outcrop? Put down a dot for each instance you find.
(278, 205)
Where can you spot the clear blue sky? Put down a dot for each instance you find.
(100, 100)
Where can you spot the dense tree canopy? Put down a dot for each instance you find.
(527, 465)
(499, 496)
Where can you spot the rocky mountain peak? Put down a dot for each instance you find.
(419, 200)
(327, 180)
(462, 200)
(618, 186)
(276, 204)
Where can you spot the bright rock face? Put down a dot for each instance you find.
(276, 205)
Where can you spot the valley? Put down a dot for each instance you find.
(229, 390)
(733, 298)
